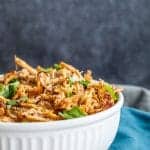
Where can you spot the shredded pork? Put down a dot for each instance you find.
(43, 94)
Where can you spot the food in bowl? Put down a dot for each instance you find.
(52, 93)
(60, 92)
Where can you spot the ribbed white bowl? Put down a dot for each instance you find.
(94, 132)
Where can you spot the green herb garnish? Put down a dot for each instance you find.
(57, 66)
(46, 70)
(75, 112)
(111, 91)
(4, 91)
(13, 80)
(9, 90)
(13, 86)
(69, 94)
(84, 83)
(11, 103)
(71, 81)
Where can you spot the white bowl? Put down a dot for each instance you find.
(93, 132)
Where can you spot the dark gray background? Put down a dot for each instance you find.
(112, 37)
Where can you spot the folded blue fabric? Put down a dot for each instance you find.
(134, 130)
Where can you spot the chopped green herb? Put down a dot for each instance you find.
(111, 91)
(46, 70)
(11, 103)
(4, 91)
(13, 80)
(10, 89)
(12, 86)
(71, 81)
(75, 112)
(57, 66)
(84, 83)
(1, 87)
(68, 94)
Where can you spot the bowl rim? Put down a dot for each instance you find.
(64, 124)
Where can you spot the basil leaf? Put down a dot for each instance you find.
(111, 91)
(84, 83)
(75, 112)
(57, 66)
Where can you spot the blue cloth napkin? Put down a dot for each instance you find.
(134, 130)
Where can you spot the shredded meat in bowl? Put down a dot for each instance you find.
(54, 93)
